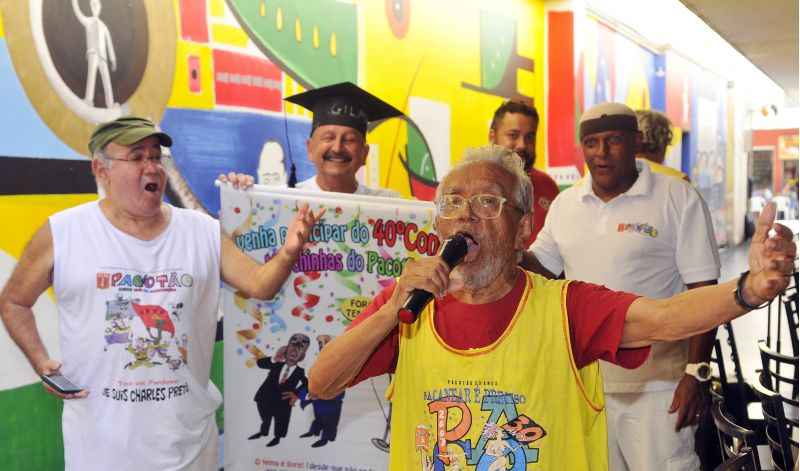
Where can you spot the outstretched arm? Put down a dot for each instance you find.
(699, 310)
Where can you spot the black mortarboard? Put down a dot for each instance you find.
(344, 104)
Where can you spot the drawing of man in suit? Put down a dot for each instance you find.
(327, 412)
(280, 390)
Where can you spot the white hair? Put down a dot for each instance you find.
(100, 155)
(506, 159)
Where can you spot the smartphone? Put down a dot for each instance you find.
(61, 384)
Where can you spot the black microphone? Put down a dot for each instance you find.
(453, 251)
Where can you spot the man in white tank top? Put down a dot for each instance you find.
(137, 284)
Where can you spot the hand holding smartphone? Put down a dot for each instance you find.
(61, 384)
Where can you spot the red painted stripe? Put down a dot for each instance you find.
(194, 25)
(242, 80)
(562, 148)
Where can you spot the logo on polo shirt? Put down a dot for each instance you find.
(641, 228)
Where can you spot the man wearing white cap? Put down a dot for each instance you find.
(633, 230)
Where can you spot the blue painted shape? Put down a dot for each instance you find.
(207, 143)
(632, 59)
(707, 168)
(602, 81)
(686, 153)
(22, 132)
(657, 79)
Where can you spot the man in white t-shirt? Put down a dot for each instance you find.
(634, 230)
(338, 144)
(137, 284)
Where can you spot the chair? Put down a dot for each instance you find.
(790, 308)
(733, 387)
(743, 460)
(734, 356)
(779, 428)
(784, 307)
(736, 443)
(780, 373)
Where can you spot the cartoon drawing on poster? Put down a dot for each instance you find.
(281, 388)
(327, 412)
(356, 250)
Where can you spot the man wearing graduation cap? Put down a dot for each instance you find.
(338, 144)
(137, 284)
(648, 234)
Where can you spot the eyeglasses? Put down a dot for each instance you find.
(485, 206)
(138, 159)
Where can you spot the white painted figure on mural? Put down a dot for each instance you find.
(99, 52)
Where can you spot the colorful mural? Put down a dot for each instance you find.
(213, 74)
(705, 141)
(606, 66)
(609, 66)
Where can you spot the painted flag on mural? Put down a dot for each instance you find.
(358, 248)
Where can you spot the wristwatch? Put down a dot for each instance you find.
(701, 371)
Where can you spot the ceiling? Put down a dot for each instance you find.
(763, 31)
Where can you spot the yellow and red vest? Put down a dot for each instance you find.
(517, 404)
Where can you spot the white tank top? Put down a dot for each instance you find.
(137, 325)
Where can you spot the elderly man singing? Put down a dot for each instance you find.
(504, 355)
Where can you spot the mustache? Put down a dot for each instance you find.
(341, 155)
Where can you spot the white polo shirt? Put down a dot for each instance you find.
(651, 240)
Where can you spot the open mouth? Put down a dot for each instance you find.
(151, 187)
(602, 171)
(472, 247)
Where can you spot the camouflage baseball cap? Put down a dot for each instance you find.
(125, 131)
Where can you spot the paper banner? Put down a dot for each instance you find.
(357, 249)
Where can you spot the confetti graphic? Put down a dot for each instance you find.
(357, 249)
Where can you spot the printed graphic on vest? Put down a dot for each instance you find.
(149, 333)
(505, 438)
